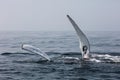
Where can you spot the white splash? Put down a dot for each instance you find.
(105, 58)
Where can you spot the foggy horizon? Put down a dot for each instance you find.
(39, 15)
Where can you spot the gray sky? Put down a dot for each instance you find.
(51, 14)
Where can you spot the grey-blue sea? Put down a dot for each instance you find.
(17, 64)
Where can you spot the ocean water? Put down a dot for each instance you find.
(63, 49)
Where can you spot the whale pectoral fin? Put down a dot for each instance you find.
(33, 49)
(83, 41)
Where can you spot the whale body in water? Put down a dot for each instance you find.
(84, 48)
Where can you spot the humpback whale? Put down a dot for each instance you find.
(83, 41)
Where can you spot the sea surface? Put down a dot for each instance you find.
(63, 49)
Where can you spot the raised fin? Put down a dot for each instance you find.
(83, 41)
(33, 49)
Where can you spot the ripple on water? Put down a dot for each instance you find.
(18, 66)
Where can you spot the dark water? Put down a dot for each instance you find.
(17, 64)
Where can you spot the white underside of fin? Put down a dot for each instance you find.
(33, 49)
(83, 41)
